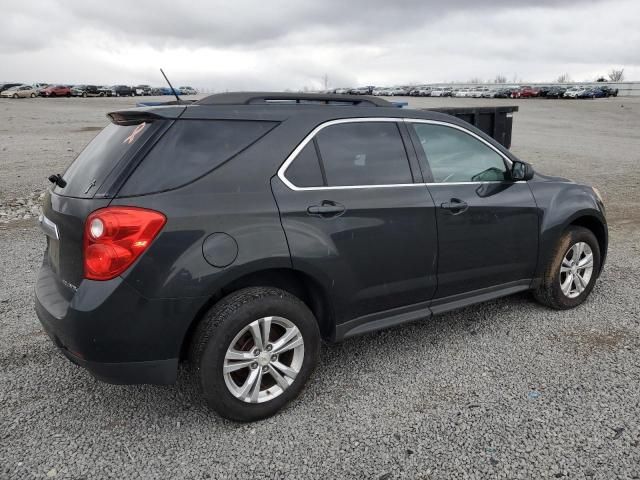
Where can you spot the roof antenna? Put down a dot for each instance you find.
(171, 86)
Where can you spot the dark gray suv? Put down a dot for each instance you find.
(241, 230)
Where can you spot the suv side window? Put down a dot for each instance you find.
(455, 156)
(363, 153)
(305, 169)
(191, 149)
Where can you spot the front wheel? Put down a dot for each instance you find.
(254, 351)
(15, 95)
(572, 270)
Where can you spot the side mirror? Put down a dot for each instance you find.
(521, 171)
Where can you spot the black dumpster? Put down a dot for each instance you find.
(494, 121)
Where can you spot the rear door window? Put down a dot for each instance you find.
(305, 169)
(363, 153)
(89, 170)
(191, 149)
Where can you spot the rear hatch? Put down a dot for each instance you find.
(90, 183)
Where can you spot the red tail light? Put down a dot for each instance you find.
(115, 236)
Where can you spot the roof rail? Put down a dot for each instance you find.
(250, 98)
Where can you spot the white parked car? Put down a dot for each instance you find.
(20, 91)
(378, 91)
(399, 91)
(477, 92)
(142, 90)
(343, 91)
(462, 92)
(187, 91)
(441, 92)
(573, 92)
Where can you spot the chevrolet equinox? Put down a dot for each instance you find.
(241, 230)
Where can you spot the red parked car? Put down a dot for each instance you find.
(525, 92)
(56, 91)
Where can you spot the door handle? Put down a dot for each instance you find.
(455, 206)
(326, 209)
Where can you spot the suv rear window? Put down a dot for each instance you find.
(191, 149)
(87, 172)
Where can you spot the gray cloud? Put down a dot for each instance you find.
(278, 44)
(167, 23)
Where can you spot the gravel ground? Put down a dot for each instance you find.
(507, 389)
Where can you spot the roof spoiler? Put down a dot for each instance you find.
(130, 117)
(161, 104)
(251, 98)
(149, 113)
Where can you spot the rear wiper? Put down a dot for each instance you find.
(58, 180)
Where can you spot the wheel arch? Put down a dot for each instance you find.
(298, 283)
(599, 229)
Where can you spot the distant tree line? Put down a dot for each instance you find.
(614, 75)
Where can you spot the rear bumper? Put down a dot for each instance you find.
(122, 373)
(112, 331)
(157, 372)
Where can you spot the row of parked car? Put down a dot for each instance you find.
(19, 90)
(519, 91)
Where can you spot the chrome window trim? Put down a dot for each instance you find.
(292, 156)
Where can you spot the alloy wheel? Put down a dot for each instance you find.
(263, 359)
(576, 269)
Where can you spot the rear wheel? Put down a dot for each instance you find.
(33, 95)
(572, 270)
(254, 351)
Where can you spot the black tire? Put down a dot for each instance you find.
(15, 95)
(219, 327)
(33, 95)
(549, 292)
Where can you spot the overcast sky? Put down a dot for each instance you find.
(275, 44)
